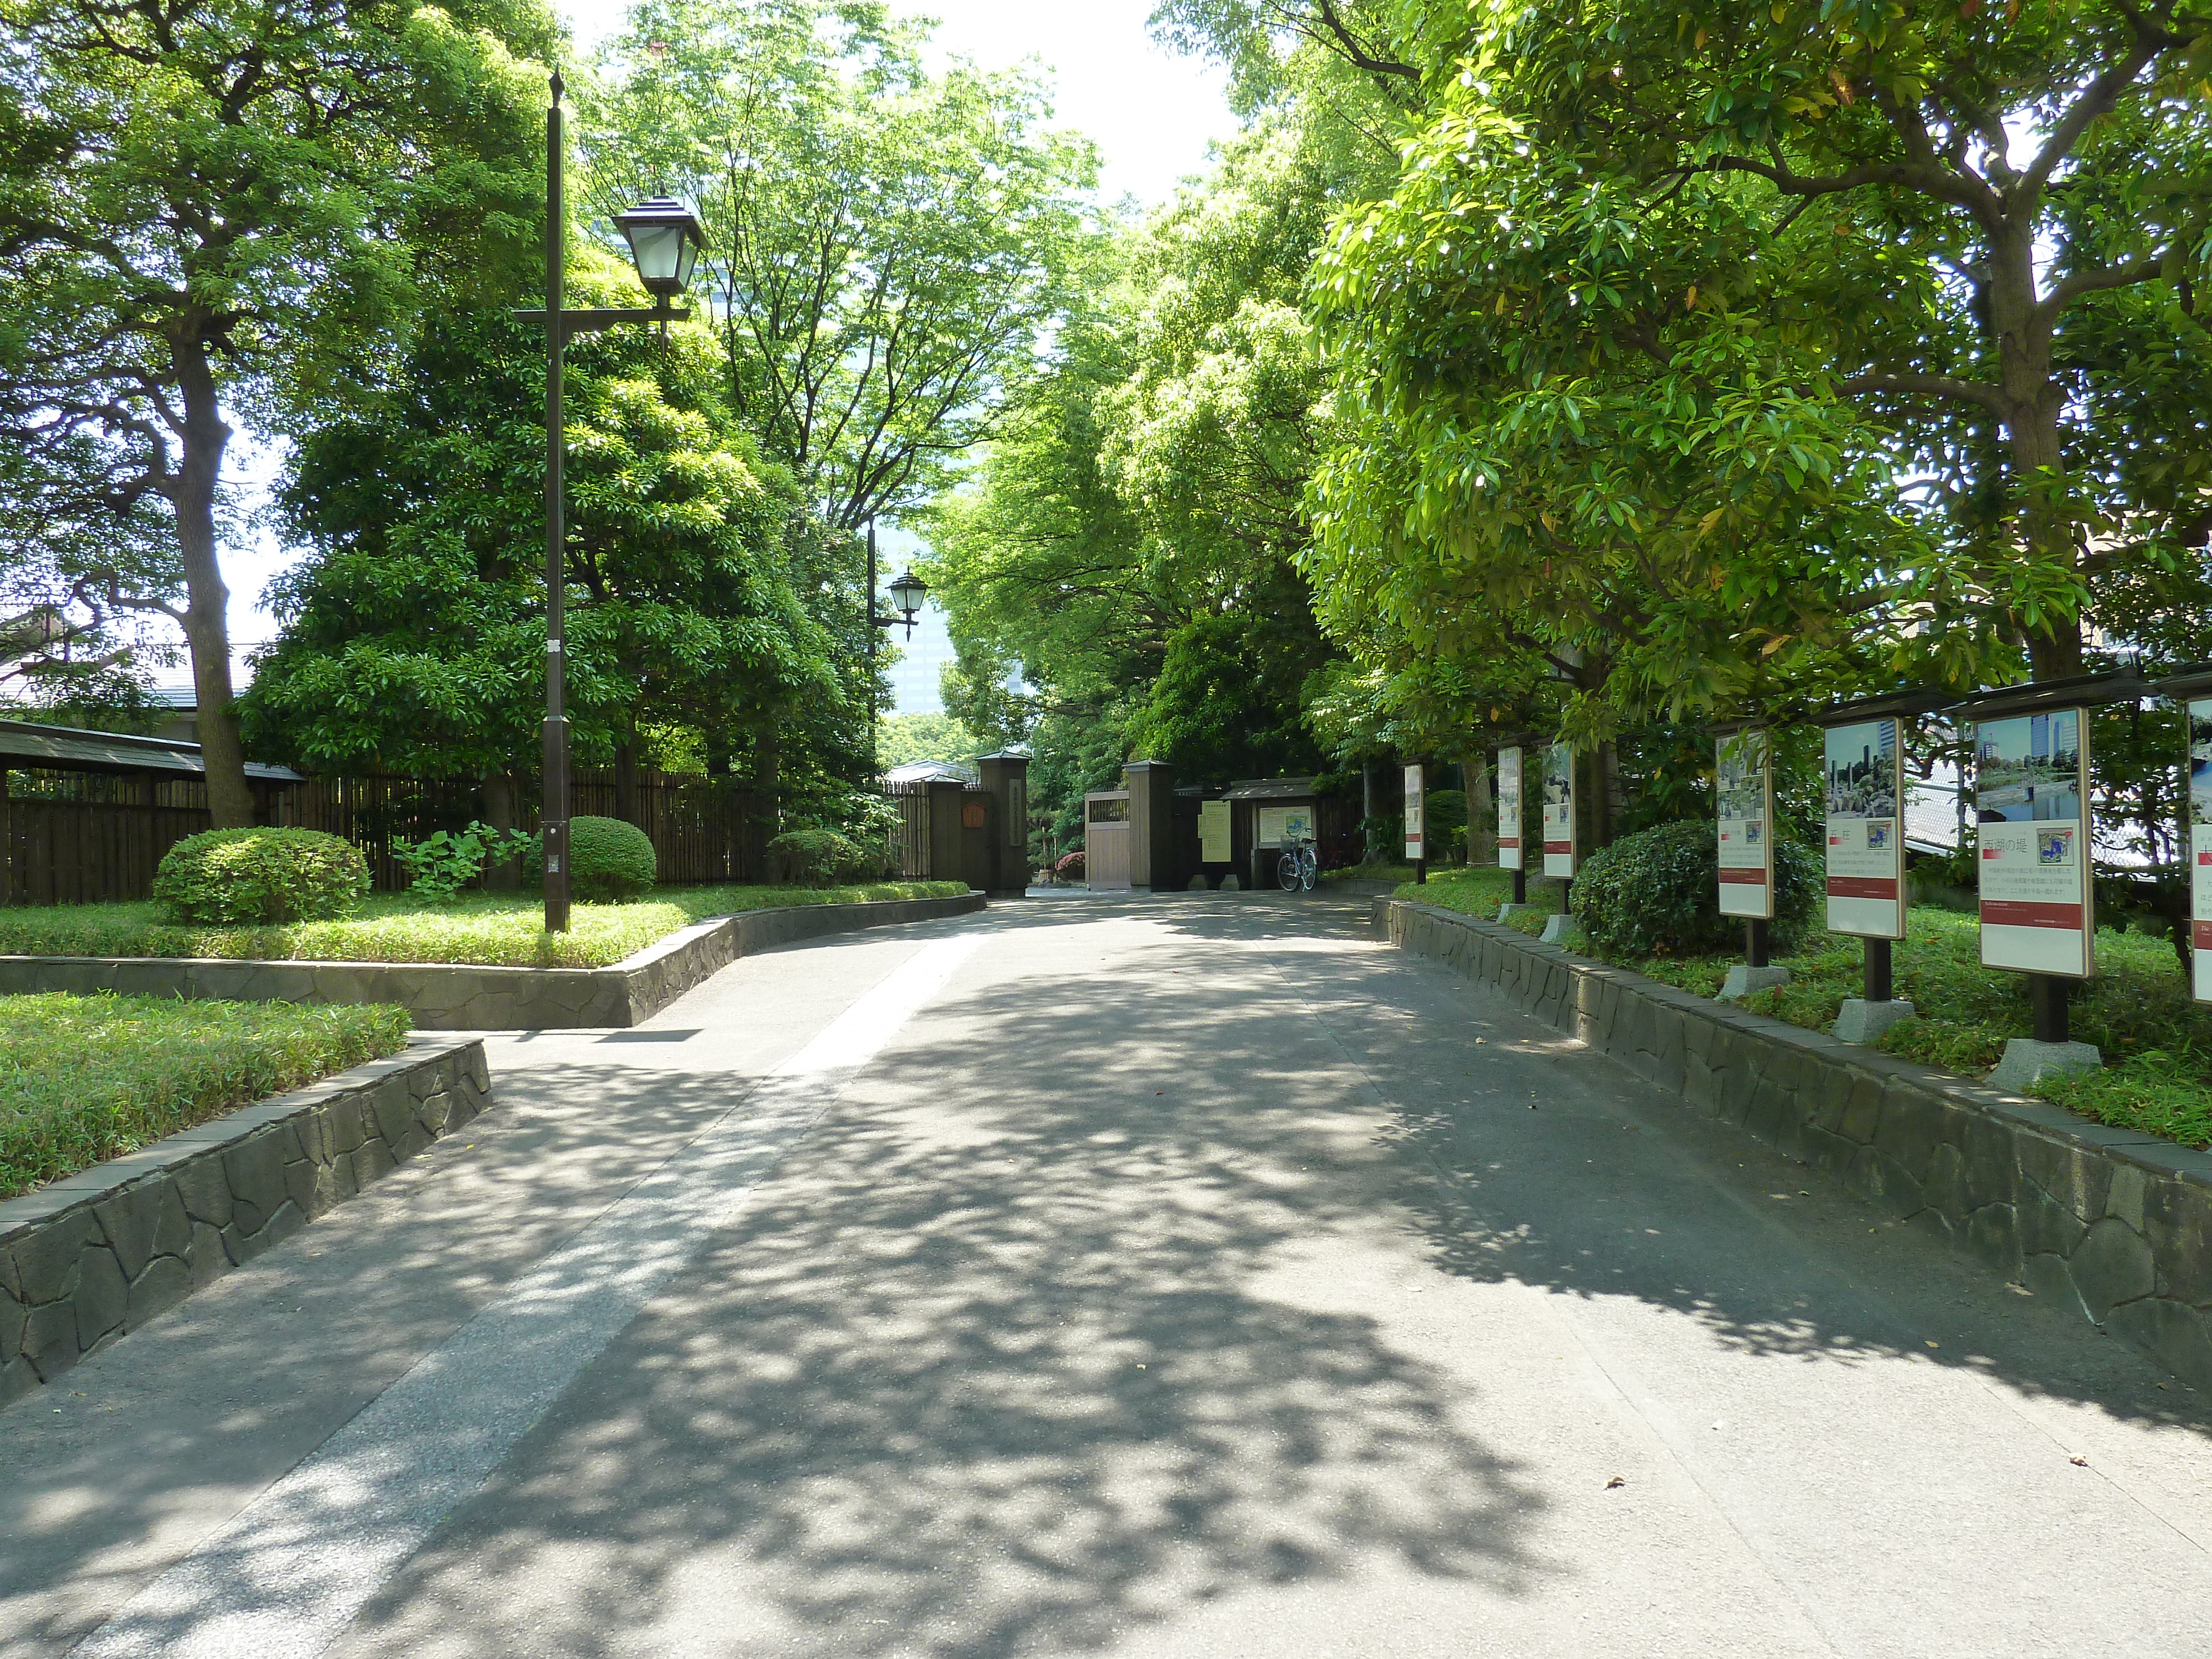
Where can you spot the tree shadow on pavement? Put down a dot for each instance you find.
(1005, 1361)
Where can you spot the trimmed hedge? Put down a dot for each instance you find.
(609, 859)
(260, 876)
(1656, 893)
(814, 857)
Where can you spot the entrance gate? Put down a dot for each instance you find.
(1106, 842)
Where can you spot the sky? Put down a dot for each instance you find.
(1151, 111)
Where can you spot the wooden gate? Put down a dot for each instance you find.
(1106, 841)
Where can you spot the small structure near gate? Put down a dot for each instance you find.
(953, 831)
(1150, 835)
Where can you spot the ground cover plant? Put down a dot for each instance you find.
(83, 1079)
(485, 929)
(2157, 1042)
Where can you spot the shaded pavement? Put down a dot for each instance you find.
(1186, 1276)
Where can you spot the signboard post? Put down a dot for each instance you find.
(1510, 853)
(1560, 812)
(2200, 848)
(1417, 848)
(2031, 794)
(1864, 770)
(1744, 791)
(2031, 783)
(1743, 795)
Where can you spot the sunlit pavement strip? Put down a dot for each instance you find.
(291, 1570)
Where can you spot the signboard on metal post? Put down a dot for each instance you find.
(2030, 795)
(1510, 855)
(1560, 811)
(1744, 790)
(1865, 770)
(1415, 841)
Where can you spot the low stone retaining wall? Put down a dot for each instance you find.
(88, 1258)
(443, 998)
(2115, 1224)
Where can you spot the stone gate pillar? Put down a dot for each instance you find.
(1007, 778)
(1151, 826)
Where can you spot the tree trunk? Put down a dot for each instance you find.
(1370, 846)
(500, 794)
(2034, 403)
(207, 625)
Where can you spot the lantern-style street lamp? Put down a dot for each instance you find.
(665, 241)
(907, 594)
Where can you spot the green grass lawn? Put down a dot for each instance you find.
(2156, 1041)
(83, 1079)
(489, 929)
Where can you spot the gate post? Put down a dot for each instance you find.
(1151, 826)
(946, 863)
(1007, 777)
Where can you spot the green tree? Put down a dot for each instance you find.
(1978, 228)
(414, 635)
(890, 246)
(207, 209)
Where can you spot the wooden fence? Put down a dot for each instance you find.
(76, 837)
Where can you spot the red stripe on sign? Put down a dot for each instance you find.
(1876, 887)
(2201, 935)
(1509, 842)
(1559, 846)
(1754, 878)
(2022, 913)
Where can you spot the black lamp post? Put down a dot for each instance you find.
(665, 241)
(907, 594)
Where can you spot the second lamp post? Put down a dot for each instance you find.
(665, 241)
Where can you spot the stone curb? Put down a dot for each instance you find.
(459, 998)
(2114, 1224)
(96, 1255)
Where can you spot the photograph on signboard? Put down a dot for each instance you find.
(1865, 845)
(1744, 796)
(1560, 811)
(1509, 809)
(2200, 848)
(2028, 768)
(2030, 780)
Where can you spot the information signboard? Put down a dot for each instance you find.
(1866, 829)
(2031, 795)
(1510, 855)
(1744, 791)
(1560, 811)
(2200, 846)
(1278, 826)
(1416, 843)
(1215, 818)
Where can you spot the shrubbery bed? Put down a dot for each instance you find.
(484, 929)
(83, 1079)
(2157, 1042)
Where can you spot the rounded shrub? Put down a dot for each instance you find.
(1656, 893)
(815, 858)
(260, 876)
(609, 859)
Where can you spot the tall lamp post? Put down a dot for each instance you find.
(908, 593)
(665, 241)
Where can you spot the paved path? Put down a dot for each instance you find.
(1190, 1279)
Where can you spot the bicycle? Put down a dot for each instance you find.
(1298, 867)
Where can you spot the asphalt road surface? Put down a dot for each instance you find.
(1181, 1277)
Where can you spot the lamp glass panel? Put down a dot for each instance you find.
(687, 262)
(659, 250)
(905, 593)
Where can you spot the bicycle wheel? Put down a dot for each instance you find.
(1286, 871)
(1309, 868)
